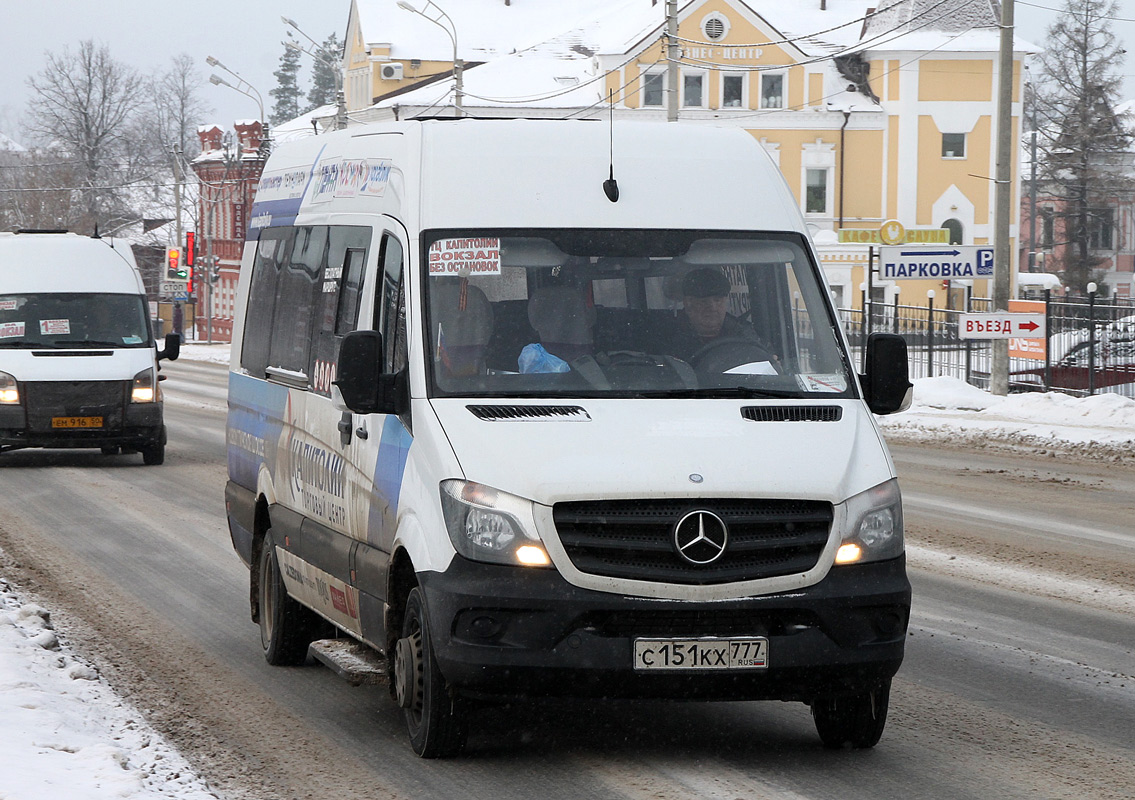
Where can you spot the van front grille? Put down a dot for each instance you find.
(635, 539)
(47, 399)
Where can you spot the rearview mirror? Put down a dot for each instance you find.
(172, 349)
(886, 382)
(360, 383)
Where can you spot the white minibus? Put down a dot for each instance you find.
(521, 408)
(78, 361)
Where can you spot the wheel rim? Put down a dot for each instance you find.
(267, 597)
(409, 674)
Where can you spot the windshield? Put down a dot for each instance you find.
(73, 321)
(628, 313)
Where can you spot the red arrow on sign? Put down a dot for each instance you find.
(1028, 326)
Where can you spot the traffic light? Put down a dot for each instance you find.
(173, 264)
(190, 249)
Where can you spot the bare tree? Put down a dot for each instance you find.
(1084, 146)
(81, 109)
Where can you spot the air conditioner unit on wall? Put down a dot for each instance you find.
(391, 72)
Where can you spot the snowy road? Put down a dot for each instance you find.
(1018, 681)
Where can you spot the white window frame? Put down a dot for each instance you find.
(818, 155)
(827, 174)
(652, 73)
(783, 75)
(744, 89)
(704, 79)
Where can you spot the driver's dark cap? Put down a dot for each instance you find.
(705, 282)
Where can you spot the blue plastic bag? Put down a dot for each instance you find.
(534, 358)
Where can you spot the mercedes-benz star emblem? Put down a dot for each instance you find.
(700, 537)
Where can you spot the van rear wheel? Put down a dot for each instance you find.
(286, 627)
(433, 716)
(857, 719)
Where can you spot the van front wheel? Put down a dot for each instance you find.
(286, 627)
(432, 715)
(857, 719)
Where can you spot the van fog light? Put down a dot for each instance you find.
(848, 554)
(532, 556)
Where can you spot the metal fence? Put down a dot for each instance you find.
(1089, 347)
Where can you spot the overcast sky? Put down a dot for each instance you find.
(246, 35)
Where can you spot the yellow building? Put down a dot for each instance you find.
(871, 115)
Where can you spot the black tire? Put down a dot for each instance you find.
(286, 627)
(154, 453)
(433, 716)
(856, 720)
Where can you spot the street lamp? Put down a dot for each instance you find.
(450, 31)
(251, 92)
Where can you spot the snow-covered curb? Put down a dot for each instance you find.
(64, 733)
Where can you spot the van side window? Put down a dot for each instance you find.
(340, 292)
(393, 322)
(270, 257)
(296, 294)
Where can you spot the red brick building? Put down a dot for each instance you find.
(228, 171)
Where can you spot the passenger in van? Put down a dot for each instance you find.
(462, 318)
(704, 318)
(564, 321)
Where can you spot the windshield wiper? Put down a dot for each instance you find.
(727, 391)
(28, 345)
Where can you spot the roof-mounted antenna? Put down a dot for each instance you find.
(611, 186)
(96, 236)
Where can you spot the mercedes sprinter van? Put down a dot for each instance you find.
(523, 408)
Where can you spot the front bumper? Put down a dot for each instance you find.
(510, 631)
(137, 425)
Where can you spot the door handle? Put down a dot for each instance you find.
(344, 427)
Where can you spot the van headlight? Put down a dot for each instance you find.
(872, 525)
(485, 524)
(144, 389)
(9, 390)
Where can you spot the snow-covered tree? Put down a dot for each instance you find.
(287, 91)
(325, 73)
(1083, 144)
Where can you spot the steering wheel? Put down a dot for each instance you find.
(727, 352)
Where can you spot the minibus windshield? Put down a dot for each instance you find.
(628, 313)
(73, 320)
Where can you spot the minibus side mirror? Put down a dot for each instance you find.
(886, 382)
(172, 349)
(360, 383)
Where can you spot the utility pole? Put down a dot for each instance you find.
(672, 54)
(1002, 253)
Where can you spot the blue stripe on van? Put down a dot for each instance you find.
(393, 450)
(256, 418)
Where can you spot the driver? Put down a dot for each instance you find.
(703, 318)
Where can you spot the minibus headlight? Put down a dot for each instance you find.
(144, 389)
(872, 525)
(9, 390)
(485, 524)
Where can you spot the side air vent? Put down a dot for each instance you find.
(530, 413)
(792, 413)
